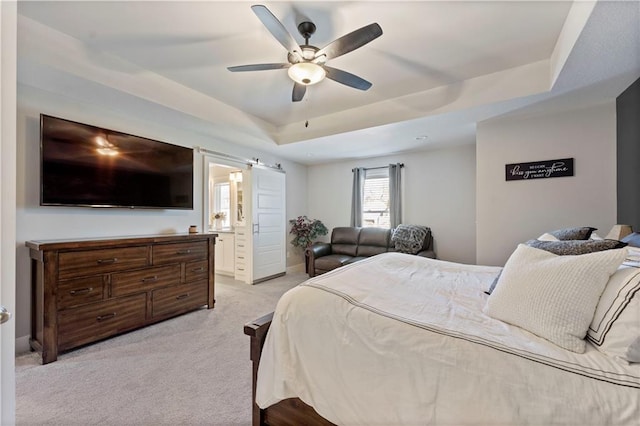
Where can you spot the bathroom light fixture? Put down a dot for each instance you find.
(235, 176)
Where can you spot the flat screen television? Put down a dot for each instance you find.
(89, 166)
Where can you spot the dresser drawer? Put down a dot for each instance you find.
(80, 291)
(180, 252)
(179, 298)
(196, 271)
(123, 283)
(99, 320)
(93, 262)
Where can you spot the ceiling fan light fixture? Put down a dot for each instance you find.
(307, 73)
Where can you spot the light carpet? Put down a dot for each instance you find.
(189, 370)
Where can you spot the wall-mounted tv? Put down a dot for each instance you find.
(89, 166)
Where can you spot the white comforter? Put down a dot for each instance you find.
(400, 339)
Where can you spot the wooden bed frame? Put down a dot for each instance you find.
(290, 412)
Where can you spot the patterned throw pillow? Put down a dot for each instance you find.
(575, 247)
(578, 233)
(409, 238)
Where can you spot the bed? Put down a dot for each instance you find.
(400, 340)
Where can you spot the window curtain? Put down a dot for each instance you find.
(356, 196)
(395, 194)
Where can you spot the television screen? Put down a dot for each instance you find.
(83, 165)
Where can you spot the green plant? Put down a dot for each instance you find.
(306, 230)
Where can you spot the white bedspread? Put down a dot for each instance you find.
(400, 339)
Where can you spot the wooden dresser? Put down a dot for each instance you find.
(88, 290)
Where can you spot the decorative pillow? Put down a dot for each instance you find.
(578, 233)
(552, 296)
(409, 238)
(632, 239)
(575, 247)
(615, 328)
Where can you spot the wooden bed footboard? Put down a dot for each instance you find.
(290, 412)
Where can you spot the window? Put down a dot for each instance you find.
(222, 203)
(375, 205)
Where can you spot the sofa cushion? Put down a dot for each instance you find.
(373, 241)
(332, 261)
(344, 240)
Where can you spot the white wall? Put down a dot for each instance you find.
(439, 192)
(8, 54)
(516, 211)
(37, 223)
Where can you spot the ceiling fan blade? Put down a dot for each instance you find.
(298, 92)
(351, 41)
(276, 28)
(258, 67)
(347, 78)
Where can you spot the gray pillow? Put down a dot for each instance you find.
(632, 239)
(409, 238)
(568, 248)
(577, 233)
(575, 247)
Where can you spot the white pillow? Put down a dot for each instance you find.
(553, 296)
(615, 328)
(547, 237)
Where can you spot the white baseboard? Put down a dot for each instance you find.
(22, 345)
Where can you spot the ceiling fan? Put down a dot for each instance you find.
(306, 63)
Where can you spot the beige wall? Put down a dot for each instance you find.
(439, 192)
(511, 212)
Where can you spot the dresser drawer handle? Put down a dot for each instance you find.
(107, 261)
(187, 251)
(150, 279)
(200, 269)
(81, 291)
(105, 317)
(182, 296)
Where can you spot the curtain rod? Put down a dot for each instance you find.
(253, 162)
(380, 167)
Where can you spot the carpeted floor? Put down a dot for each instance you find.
(190, 370)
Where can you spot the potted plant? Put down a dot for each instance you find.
(306, 231)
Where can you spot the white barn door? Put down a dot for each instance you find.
(268, 225)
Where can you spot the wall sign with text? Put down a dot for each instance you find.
(539, 169)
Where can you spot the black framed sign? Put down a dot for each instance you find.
(539, 169)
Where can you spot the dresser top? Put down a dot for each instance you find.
(92, 242)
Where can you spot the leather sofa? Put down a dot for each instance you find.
(351, 244)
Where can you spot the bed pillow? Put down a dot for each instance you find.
(632, 239)
(577, 233)
(547, 237)
(566, 248)
(552, 296)
(575, 247)
(409, 238)
(615, 328)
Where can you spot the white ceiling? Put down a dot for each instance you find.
(438, 69)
